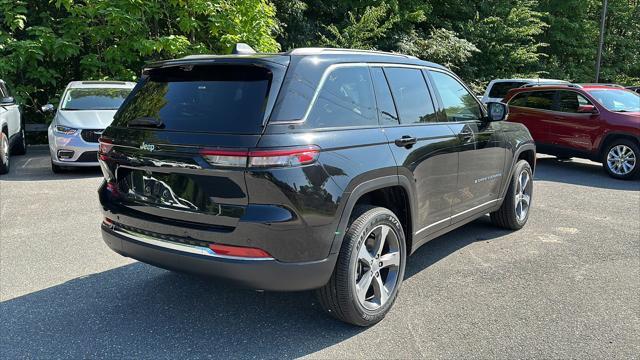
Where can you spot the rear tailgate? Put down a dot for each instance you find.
(151, 154)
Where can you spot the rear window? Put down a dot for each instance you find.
(500, 89)
(217, 99)
(94, 99)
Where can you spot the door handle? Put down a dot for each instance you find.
(406, 141)
(466, 135)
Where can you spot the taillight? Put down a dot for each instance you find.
(262, 158)
(239, 251)
(104, 146)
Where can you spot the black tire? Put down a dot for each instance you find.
(339, 297)
(633, 146)
(56, 169)
(5, 163)
(20, 147)
(507, 216)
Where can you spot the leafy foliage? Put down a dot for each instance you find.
(45, 44)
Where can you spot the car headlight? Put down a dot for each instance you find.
(65, 130)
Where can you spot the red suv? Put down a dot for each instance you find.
(597, 122)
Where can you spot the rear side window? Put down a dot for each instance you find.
(386, 108)
(519, 100)
(411, 95)
(541, 100)
(345, 99)
(500, 89)
(459, 104)
(217, 99)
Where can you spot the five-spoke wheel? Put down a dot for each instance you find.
(369, 270)
(377, 267)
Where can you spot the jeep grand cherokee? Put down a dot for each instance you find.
(312, 169)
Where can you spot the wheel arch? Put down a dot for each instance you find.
(393, 192)
(612, 136)
(525, 152)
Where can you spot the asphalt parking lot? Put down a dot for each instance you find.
(566, 286)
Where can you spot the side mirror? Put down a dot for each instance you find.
(497, 111)
(587, 109)
(48, 108)
(9, 100)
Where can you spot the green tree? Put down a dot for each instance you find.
(44, 44)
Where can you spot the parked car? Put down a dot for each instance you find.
(597, 122)
(312, 169)
(86, 109)
(498, 88)
(12, 136)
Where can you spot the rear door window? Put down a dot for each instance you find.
(459, 104)
(216, 99)
(345, 99)
(500, 89)
(541, 100)
(411, 95)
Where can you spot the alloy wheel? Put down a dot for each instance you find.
(377, 268)
(621, 159)
(523, 195)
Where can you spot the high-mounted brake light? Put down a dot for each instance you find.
(262, 158)
(239, 251)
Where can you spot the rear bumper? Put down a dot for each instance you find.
(260, 274)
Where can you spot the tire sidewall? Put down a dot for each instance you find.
(383, 217)
(630, 144)
(4, 164)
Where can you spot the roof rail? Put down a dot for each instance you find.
(317, 51)
(600, 84)
(577, 86)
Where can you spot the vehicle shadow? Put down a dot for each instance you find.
(36, 166)
(141, 311)
(580, 172)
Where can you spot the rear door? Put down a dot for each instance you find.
(421, 142)
(570, 128)
(533, 109)
(169, 144)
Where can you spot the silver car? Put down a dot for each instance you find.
(86, 109)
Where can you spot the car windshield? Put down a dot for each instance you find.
(617, 99)
(94, 99)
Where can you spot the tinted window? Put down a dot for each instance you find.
(459, 104)
(222, 98)
(94, 99)
(411, 95)
(386, 108)
(541, 100)
(570, 101)
(500, 89)
(519, 100)
(346, 99)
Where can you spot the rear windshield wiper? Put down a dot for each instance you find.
(146, 121)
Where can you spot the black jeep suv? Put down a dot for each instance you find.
(312, 169)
